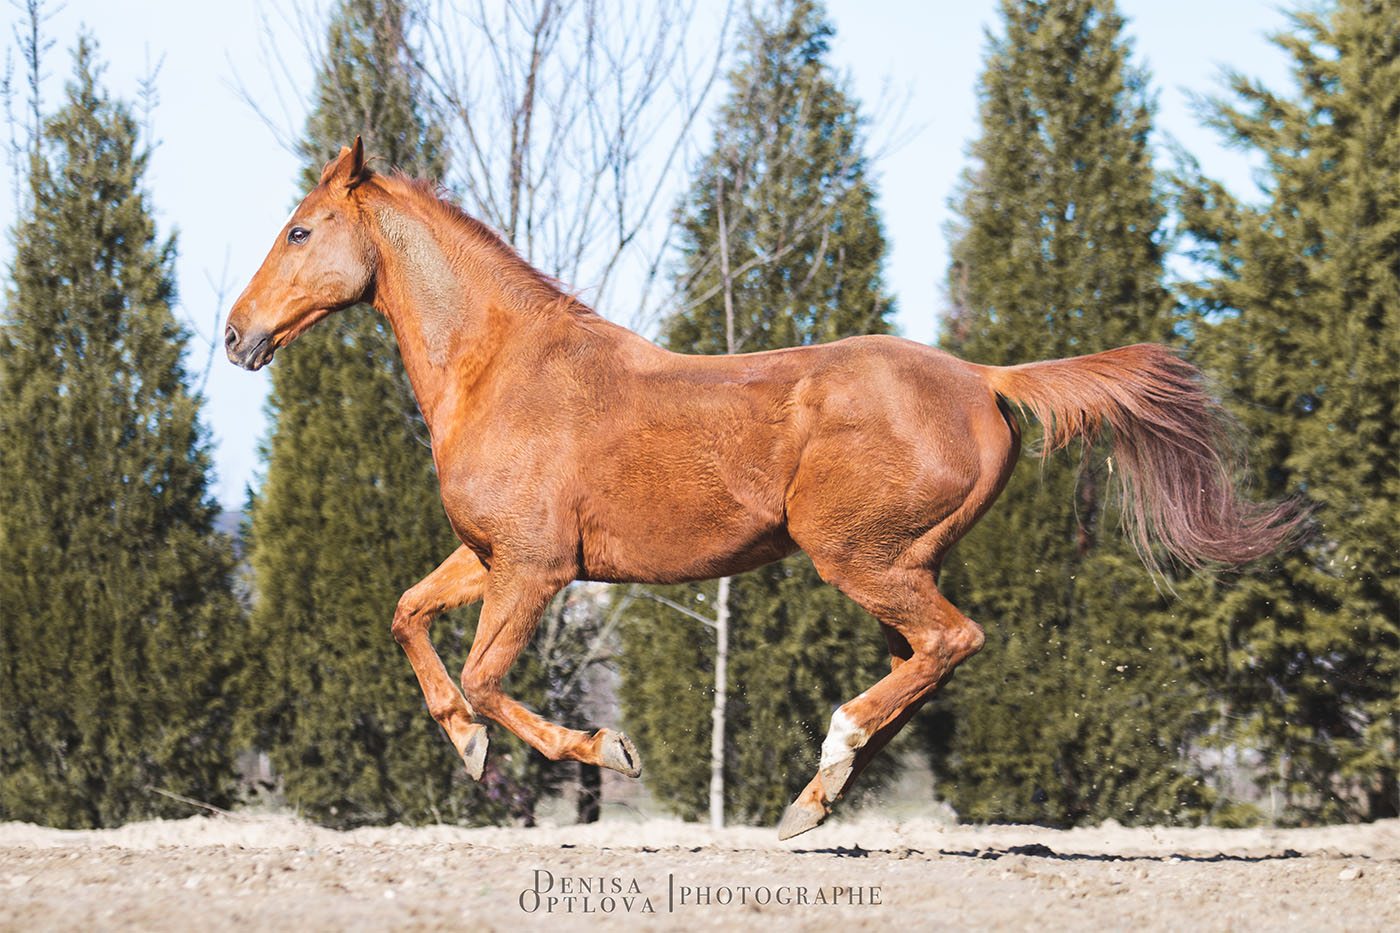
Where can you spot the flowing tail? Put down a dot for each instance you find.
(1171, 450)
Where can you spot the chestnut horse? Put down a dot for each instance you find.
(568, 448)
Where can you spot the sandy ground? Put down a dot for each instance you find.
(277, 873)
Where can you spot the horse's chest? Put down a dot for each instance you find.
(495, 495)
(473, 501)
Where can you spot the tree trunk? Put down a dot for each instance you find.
(721, 698)
(722, 594)
(590, 793)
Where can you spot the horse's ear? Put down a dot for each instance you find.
(329, 169)
(347, 167)
(358, 172)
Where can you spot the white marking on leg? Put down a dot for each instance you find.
(838, 748)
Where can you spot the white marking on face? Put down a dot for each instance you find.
(841, 740)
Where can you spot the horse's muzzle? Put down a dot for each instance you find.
(251, 351)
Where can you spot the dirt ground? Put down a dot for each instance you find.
(278, 873)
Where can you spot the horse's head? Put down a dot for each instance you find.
(323, 261)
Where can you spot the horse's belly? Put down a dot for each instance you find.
(656, 544)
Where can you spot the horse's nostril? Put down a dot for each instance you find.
(230, 336)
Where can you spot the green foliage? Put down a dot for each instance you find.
(787, 170)
(787, 175)
(1078, 707)
(119, 627)
(349, 516)
(1298, 318)
(368, 86)
(667, 692)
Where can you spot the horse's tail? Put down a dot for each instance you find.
(1171, 450)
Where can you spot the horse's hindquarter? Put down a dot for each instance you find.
(905, 448)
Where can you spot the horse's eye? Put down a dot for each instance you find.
(298, 235)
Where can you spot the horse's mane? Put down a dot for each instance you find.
(519, 275)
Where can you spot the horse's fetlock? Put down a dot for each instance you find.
(842, 739)
(442, 711)
(480, 691)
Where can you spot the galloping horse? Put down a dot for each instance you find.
(568, 448)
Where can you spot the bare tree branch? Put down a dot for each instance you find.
(683, 610)
(568, 119)
(221, 289)
(305, 20)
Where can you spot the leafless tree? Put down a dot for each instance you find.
(571, 122)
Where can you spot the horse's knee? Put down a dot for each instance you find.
(409, 619)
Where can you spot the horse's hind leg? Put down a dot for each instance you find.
(928, 637)
(458, 581)
(512, 610)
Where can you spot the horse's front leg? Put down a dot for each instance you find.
(515, 600)
(458, 581)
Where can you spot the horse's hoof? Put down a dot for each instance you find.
(800, 816)
(616, 751)
(473, 750)
(836, 775)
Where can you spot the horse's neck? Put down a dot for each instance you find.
(429, 304)
(447, 303)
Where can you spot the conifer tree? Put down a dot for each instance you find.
(1076, 708)
(349, 516)
(1298, 319)
(118, 625)
(783, 218)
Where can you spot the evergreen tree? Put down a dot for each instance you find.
(1077, 708)
(783, 218)
(117, 619)
(1299, 321)
(349, 515)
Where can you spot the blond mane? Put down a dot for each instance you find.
(535, 290)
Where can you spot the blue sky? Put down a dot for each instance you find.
(221, 181)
